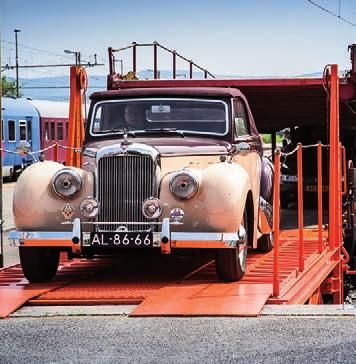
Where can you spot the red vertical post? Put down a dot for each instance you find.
(334, 162)
(155, 72)
(134, 46)
(344, 170)
(335, 192)
(320, 199)
(276, 217)
(174, 64)
(300, 207)
(55, 152)
(78, 83)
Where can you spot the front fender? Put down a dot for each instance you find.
(36, 206)
(218, 205)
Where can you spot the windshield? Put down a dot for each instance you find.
(145, 115)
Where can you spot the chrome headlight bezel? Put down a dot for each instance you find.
(183, 184)
(69, 187)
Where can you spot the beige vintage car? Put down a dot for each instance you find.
(165, 169)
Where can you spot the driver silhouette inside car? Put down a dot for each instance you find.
(134, 117)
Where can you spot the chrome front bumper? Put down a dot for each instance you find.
(77, 237)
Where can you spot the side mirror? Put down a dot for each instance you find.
(242, 148)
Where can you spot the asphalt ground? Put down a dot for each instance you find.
(178, 340)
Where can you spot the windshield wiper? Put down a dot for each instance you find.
(162, 130)
(116, 130)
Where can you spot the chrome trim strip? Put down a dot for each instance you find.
(165, 232)
(76, 232)
(40, 235)
(130, 149)
(160, 99)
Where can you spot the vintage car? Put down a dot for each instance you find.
(163, 169)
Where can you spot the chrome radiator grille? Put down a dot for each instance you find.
(124, 182)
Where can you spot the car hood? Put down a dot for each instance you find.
(170, 146)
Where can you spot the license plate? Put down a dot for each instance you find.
(118, 239)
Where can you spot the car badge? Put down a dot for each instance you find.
(67, 211)
(126, 141)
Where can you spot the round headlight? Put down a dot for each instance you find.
(66, 183)
(183, 184)
(89, 207)
(152, 208)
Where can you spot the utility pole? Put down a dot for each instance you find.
(17, 63)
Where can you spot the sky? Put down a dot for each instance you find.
(252, 38)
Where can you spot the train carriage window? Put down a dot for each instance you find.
(60, 131)
(12, 131)
(46, 132)
(23, 130)
(29, 130)
(53, 133)
(2, 130)
(67, 129)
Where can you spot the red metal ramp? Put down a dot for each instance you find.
(15, 290)
(218, 299)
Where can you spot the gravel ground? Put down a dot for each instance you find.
(183, 340)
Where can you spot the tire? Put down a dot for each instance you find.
(265, 243)
(231, 263)
(39, 264)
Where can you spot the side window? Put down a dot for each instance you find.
(2, 130)
(12, 131)
(23, 130)
(46, 132)
(59, 131)
(240, 119)
(67, 129)
(53, 133)
(29, 130)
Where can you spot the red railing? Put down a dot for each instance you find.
(336, 189)
(155, 46)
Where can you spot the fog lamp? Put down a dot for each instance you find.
(90, 207)
(176, 214)
(152, 208)
(66, 183)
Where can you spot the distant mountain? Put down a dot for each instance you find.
(57, 88)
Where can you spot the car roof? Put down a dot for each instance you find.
(169, 91)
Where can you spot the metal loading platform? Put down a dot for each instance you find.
(180, 286)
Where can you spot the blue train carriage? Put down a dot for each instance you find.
(20, 122)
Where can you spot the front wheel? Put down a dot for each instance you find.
(39, 264)
(231, 263)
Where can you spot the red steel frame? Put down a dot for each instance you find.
(333, 248)
(78, 85)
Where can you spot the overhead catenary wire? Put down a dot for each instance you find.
(332, 13)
